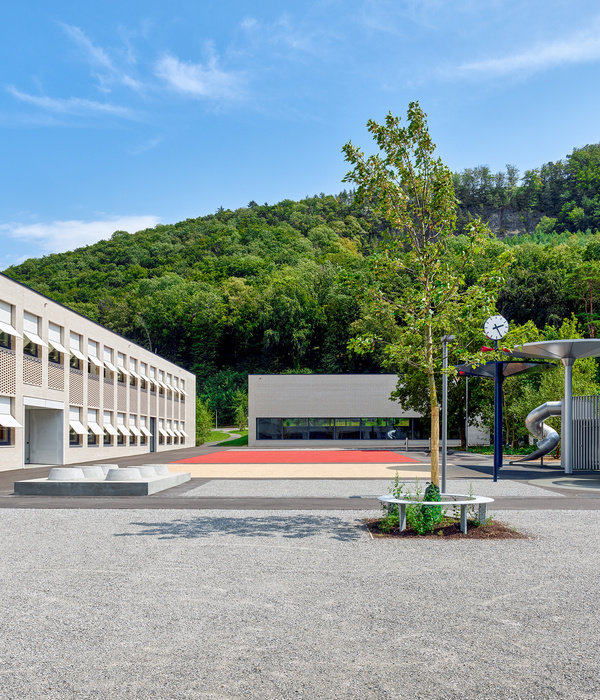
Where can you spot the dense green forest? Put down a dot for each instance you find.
(276, 288)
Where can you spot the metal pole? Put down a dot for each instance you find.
(445, 340)
(467, 414)
(567, 417)
(498, 377)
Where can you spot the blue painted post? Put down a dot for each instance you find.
(498, 432)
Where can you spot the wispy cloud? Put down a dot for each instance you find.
(72, 105)
(142, 148)
(105, 68)
(295, 38)
(583, 47)
(206, 80)
(60, 236)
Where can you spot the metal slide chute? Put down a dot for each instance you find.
(547, 437)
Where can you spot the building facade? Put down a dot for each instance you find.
(327, 410)
(72, 391)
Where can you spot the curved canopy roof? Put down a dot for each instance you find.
(559, 349)
(509, 368)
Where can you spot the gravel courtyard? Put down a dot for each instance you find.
(212, 604)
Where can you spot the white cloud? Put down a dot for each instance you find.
(100, 59)
(583, 47)
(71, 105)
(60, 236)
(199, 80)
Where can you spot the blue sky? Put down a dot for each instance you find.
(124, 115)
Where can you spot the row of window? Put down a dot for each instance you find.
(133, 433)
(341, 429)
(99, 359)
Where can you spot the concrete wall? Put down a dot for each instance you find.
(38, 383)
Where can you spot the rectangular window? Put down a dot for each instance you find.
(144, 430)
(161, 383)
(7, 422)
(133, 375)
(182, 390)
(295, 429)
(56, 349)
(76, 429)
(122, 373)
(162, 433)
(7, 330)
(95, 432)
(182, 431)
(321, 428)
(134, 430)
(153, 383)
(347, 428)
(32, 343)
(122, 428)
(109, 369)
(269, 428)
(95, 364)
(77, 357)
(109, 429)
(170, 433)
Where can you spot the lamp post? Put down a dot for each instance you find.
(445, 340)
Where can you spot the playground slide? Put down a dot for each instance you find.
(548, 437)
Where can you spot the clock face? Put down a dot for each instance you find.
(495, 327)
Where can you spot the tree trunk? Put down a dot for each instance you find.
(435, 410)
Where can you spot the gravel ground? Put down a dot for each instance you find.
(358, 488)
(271, 605)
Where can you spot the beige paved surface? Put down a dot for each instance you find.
(303, 471)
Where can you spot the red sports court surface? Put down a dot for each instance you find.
(299, 457)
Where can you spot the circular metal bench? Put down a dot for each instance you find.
(448, 499)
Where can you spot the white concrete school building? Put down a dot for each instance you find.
(322, 410)
(72, 391)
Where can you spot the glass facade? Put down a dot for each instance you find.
(341, 429)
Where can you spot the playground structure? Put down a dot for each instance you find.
(585, 422)
(568, 352)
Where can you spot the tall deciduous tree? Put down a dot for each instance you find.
(413, 190)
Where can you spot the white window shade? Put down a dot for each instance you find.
(7, 421)
(7, 328)
(123, 429)
(6, 320)
(122, 369)
(177, 432)
(171, 433)
(110, 429)
(95, 428)
(163, 432)
(135, 430)
(145, 431)
(31, 329)
(78, 354)
(136, 375)
(95, 361)
(184, 433)
(110, 365)
(6, 418)
(77, 426)
(58, 346)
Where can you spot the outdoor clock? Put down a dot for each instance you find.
(495, 327)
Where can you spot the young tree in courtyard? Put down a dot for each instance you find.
(427, 288)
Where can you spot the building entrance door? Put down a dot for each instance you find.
(43, 436)
(153, 437)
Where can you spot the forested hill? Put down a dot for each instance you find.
(264, 288)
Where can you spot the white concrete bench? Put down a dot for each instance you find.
(448, 499)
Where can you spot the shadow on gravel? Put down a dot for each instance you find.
(292, 527)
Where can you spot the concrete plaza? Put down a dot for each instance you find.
(104, 600)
